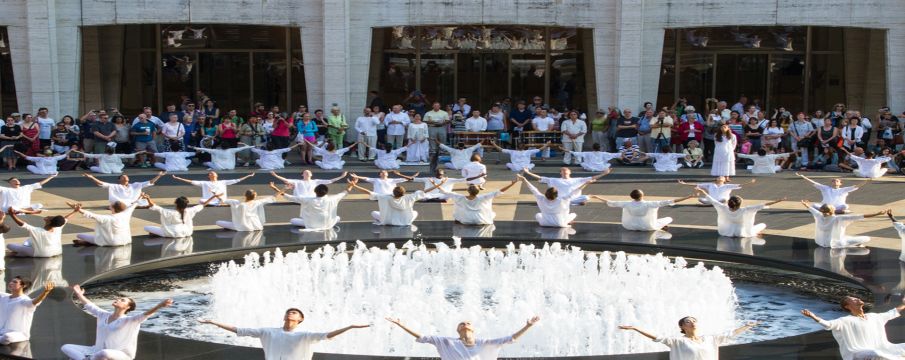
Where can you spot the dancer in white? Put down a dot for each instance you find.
(124, 191)
(764, 163)
(247, 215)
(176, 223)
(466, 345)
(719, 189)
(665, 160)
(475, 171)
(213, 185)
(475, 208)
(305, 186)
(641, 215)
(439, 177)
(458, 156)
(396, 209)
(44, 165)
(18, 196)
(554, 206)
(387, 157)
(223, 158)
(868, 166)
(862, 335)
(418, 142)
(44, 241)
(724, 152)
(109, 230)
(286, 342)
(566, 184)
(595, 160)
(690, 345)
(383, 185)
(835, 195)
(174, 160)
(733, 220)
(17, 310)
(272, 159)
(117, 332)
(520, 159)
(830, 228)
(319, 212)
(109, 162)
(331, 157)
(900, 228)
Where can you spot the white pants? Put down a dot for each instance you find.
(35, 170)
(594, 167)
(418, 152)
(334, 166)
(260, 164)
(88, 238)
(542, 221)
(376, 216)
(371, 140)
(12, 337)
(450, 166)
(228, 225)
(580, 200)
(22, 250)
(571, 146)
(82, 352)
(518, 168)
(97, 169)
(155, 230)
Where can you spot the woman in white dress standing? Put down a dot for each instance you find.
(724, 152)
(418, 145)
(690, 345)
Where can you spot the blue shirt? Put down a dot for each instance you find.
(644, 125)
(307, 130)
(147, 128)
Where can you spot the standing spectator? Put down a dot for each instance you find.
(416, 101)
(307, 133)
(644, 131)
(753, 132)
(711, 126)
(773, 135)
(626, 127)
(252, 133)
(280, 137)
(228, 133)
(802, 133)
(377, 112)
(143, 134)
(837, 114)
(190, 111)
(10, 134)
(661, 130)
(173, 133)
(104, 132)
(418, 149)
(122, 138)
(543, 123)
(277, 113)
(336, 126)
(170, 110)
(739, 106)
(259, 110)
(852, 134)
(366, 126)
(573, 132)
(396, 123)
(46, 125)
(828, 135)
(462, 106)
(268, 121)
(191, 131)
(70, 124)
(210, 109)
(496, 119)
(148, 113)
(692, 129)
(476, 123)
(437, 120)
(866, 125)
(30, 130)
(690, 112)
(520, 120)
(206, 128)
(86, 125)
(233, 116)
(298, 114)
(599, 128)
(537, 103)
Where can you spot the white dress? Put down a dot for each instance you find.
(223, 159)
(459, 158)
(18, 198)
(452, 348)
(865, 338)
(738, 223)
(870, 168)
(724, 157)
(46, 165)
(834, 197)
(109, 163)
(396, 212)
(330, 160)
(642, 215)
(279, 344)
(830, 230)
(764, 164)
(553, 213)
(110, 230)
(436, 193)
(174, 160)
(596, 161)
(270, 160)
(209, 188)
(173, 224)
(383, 186)
(418, 146)
(16, 314)
(473, 169)
(684, 348)
(317, 213)
(127, 194)
(389, 160)
(719, 192)
(246, 215)
(666, 162)
(520, 159)
(477, 211)
(568, 186)
(115, 339)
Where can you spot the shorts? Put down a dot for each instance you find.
(148, 146)
(311, 139)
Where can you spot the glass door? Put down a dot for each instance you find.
(482, 78)
(739, 74)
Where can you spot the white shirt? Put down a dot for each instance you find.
(397, 212)
(451, 348)
(396, 129)
(383, 186)
(542, 124)
(477, 211)
(464, 108)
(764, 164)
(830, 230)
(436, 194)
(473, 169)
(458, 158)
(640, 215)
(521, 158)
(284, 345)
(120, 334)
(417, 132)
(319, 213)
(719, 192)
(176, 130)
(855, 335)
(176, 160)
(832, 196)
(596, 160)
(112, 229)
(738, 223)
(331, 160)
(870, 168)
(553, 212)
(209, 188)
(367, 125)
(388, 160)
(127, 194)
(46, 165)
(152, 119)
(566, 186)
(272, 159)
(476, 124)
(246, 214)
(224, 159)
(17, 198)
(577, 128)
(16, 314)
(45, 127)
(46, 243)
(305, 188)
(683, 348)
(110, 163)
(175, 225)
(666, 161)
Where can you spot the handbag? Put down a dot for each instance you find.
(805, 142)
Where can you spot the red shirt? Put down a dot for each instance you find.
(227, 130)
(685, 129)
(280, 127)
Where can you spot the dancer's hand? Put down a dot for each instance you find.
(807, 313)
(626, 327)
(206, 321)
(533, 320)
(359, 326)
(394, 321)
(48, 286)
(77, 289)
(166, 303)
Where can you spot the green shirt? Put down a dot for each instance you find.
(598, 124)
(433, 118)
(236, 120)
(335, 123)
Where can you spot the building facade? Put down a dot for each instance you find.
(74, 56)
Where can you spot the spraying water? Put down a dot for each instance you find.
(580, 296)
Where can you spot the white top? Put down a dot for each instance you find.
(272, 159)
(684, 348)
(719, 192)
(331, 158)
(17, 198)
(855, 334)
(173, 129)
(417, 132)
(175, 225)
(153, 119)
(576, 128)
(521, 158)
(473, 169)
(112, 229)
(46, 165)
(543, 124)
(451, 348)
(666, 161)
(47, 243)
(870, 168)
(447, 186)
(832, 196)
(110, 163)
(764, 164)
(176, 160)
(284, 345)
(127, 194)
(209, 188)
(121, 334)
(224, 159)
(565, 187)
(640, 215)
(319, 213)
(383, 186)
(367, 125)
(246, 214)
(458, 158)
(397, 212)
(738, 223)
(477, 211)
(830, 230)
(476, 124)
(45, 127)
(396, 129)
(388, 160)
(553, 211)
(305, 188)
(16, 314)
(847, 134)
(600, 158)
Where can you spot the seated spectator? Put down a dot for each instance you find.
(631, 154)
(694, 156)
(62, 138)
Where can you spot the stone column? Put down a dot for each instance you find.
(629, 54)
(895, 70)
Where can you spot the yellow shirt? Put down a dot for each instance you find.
(666, 129)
